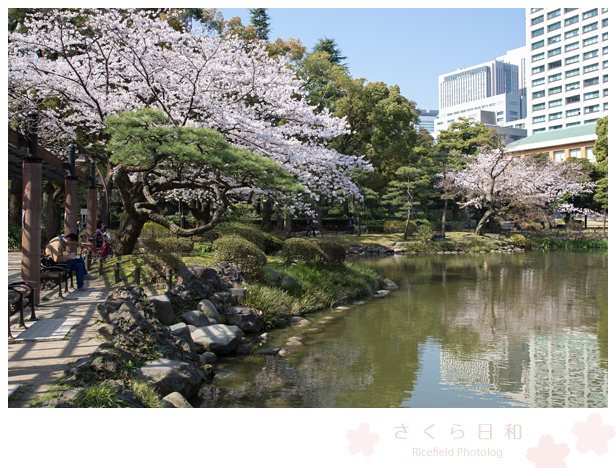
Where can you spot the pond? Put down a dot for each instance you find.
(473, 330)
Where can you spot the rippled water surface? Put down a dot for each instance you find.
(475, 330)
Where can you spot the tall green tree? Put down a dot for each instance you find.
(330, 47)
(260, 20)
(601, 154)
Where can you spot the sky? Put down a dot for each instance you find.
(409, 47)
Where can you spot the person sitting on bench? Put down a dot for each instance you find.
(58, 248)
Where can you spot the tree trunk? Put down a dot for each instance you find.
(256, 206)
(483, 221)
(266, 216)
(288, 223)
(444, 219)
(128, 234)
(202, 212)
(408, 221)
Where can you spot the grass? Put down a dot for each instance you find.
(102, 395)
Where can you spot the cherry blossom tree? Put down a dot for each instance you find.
(497, 183)
(80, 67)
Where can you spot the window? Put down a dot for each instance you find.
(535, 10)
(572, 33)
(553, 52)
(556, 116)
(537, 45)
(572, 59)
(572, 99)
(559, 156)
(540, 118)
(554, 39)
(591, 68)
(538, 81)
(555, 103)
(591, 54)
(591, 40)
(590, 121)
(573, 112)
(591, 82)
(605, 64)
(573, 124)
(571, 20)
(538, 94)
(572, 46)
(555, 77)
(574, 72)
(575, 153)
(556, 64)
(553, 26)
(605, 50)
(604, 36)
(536, 32)
(590, 27)
(591, 109)
(604, 23)
(555, 90)
(539, 69)
(554, 14)
(590, 13)
(538, 107)
(537, 20)
(590, 154)
(538, 57)
(571, 86)
(592, 95)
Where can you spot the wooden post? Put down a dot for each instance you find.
(169, 279)
(117, 272)
(32, 176)
(92, 202)
(138, 275)
(71, 203)
(100, 267)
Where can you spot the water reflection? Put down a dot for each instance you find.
(485, 330)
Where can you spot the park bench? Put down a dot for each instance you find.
(21, 294)
(54, 274)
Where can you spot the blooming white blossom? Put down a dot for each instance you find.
(101, 62)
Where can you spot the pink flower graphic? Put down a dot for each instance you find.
(548, 454)
(593, 434)
(362, 440)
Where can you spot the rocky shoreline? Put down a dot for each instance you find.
(399, 248)
(144, 340)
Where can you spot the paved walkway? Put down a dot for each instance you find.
(66, 331)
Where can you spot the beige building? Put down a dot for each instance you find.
(572, 142)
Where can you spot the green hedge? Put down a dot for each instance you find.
(167, 245)
(266, 242)
(319, 252)
(236, 249)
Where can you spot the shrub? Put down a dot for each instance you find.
(263, 240)
(154, 231)
(168, 245)
(146, 394)
(424, 233)
(519, 241)
(236, 249)
(393, 226)
(319, 252)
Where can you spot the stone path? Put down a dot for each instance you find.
(66, 331)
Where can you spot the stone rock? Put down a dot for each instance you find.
(163, 309)
(294, 343)
(219, 339)
(168, 376)
(182, 331)
(289, 281)
(198, 318)
(176, 400)
(389, 284)
(285, 352)
(247, 319)
(268, 351)
(231, 273)
(209, 309)
(237, 295)
(202, 274)
(208, 358)
(264, 337)
(296, 319)
(271, 275)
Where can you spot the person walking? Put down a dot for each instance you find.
(351, 224)
(310, 226)
(59, 249)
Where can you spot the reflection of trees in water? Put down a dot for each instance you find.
(492, 315)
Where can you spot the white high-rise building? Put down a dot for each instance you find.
(567, 67)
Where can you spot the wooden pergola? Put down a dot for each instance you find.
(32, 164)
